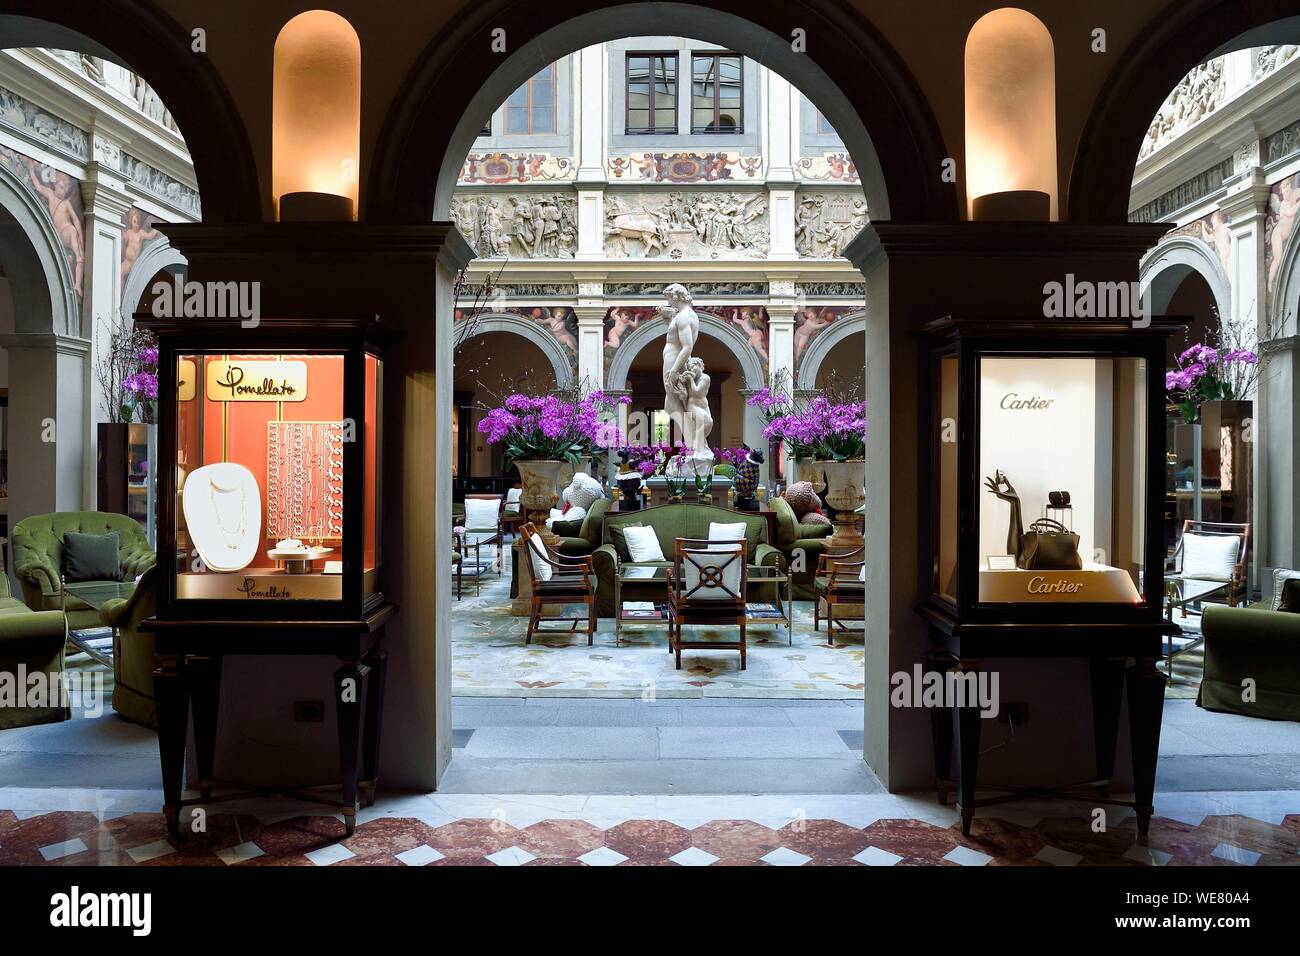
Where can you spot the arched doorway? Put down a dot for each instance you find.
(834, 348)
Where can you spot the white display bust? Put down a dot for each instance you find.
(223, 514)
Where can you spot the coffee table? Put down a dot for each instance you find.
(1180, 593)
(762, 575)
(95, 594)
(475, 540)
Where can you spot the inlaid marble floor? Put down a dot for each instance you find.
(489, 658)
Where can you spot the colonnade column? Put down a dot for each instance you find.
(780, 128)
(1246, 206)
(590, 312)
(590, 90)
(106, 201)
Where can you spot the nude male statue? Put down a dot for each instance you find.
(683, 330)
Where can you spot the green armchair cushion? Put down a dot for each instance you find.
(38, 557)
(133, 649)
(90, 557)
(33, 641)
(1251, 644)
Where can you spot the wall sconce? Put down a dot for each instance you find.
(1010, 67)
(316, 118)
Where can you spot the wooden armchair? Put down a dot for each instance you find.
(706, 586)
(838, 583)
(559, 580)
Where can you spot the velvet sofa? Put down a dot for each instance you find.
(38, 558)
(794, 536)
(671, 522)
(33, 641)
(1251, 643)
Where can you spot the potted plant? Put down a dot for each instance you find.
(1209, 374)
(834, 435)
(127, 375)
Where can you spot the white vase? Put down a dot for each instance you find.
(808, 469)
(844, 493)
(541, 492)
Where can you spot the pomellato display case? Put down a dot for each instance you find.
(270, 443)
(1046, 477)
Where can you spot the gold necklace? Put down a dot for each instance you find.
(238, 533)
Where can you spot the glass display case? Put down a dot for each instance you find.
(1047, 470)
(272, 447)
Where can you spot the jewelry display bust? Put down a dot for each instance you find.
(223, 514)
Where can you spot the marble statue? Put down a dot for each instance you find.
(686, 386)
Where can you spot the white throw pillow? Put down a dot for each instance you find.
(1210, 557)
(721, 531)
(573, 514)
(513, 497)
(541, 569)
(481, 513)
(643, 544)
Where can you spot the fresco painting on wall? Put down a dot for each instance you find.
(1214, 232)
(811, 320)
(1283, 208)
(61, 195)
(137, 231)
(751, 320)
(559, 321)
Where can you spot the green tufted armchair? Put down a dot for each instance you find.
(38, 557)
(794, 536)
(133, 651)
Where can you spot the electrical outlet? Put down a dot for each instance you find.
(1014, 713)
(308, 711)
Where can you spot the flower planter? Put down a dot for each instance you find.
(844, 493)
(541, 493)
(808, 469)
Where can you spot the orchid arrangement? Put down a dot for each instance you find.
(735, 457)
(1206, 374)
(823, 431)
(651, 460)
(127, 374)
(548, 428)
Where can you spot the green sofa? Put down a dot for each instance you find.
(670, 523)
(793, 536)
(1254, 643)
(34, 640)
(133, 651)
(38, 557)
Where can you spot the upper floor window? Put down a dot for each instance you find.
(824, 127)
(651, 93)
(531, 108)
(717, 87)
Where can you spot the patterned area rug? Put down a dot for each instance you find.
(489, 658)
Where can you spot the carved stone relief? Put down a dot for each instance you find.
(518, 225)
(825, 222)
(704, 224)
(1198, 93)
(23, 114)
(1269, 58)
(153, 180)
(149, 103)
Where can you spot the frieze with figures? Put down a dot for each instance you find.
(504, 168)
(831, 167)
(687, 225)
(22, 114)
(824, 223)
(685, 167)
(518, 226)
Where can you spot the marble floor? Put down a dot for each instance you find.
(489, 658)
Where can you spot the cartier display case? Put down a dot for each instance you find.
(271, 505)
(1046, 490)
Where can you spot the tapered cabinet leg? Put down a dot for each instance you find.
(1146, 701)
(348, 691)
(377, 661)
(1107, 679)
(966, 735)
(171, 694)
(940, 734)
(205, 681)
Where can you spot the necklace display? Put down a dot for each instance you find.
(236, 536)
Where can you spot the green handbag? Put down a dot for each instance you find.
(1048, 546)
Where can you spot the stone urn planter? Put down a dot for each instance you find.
(844, 493)
(541, 493)
(808, 469)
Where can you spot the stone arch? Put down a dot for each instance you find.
(561, 359)
(849, 71)
(1167, 264)
(1286, 296)
(1166, 49)
(811, 361)
(47, 360)
(158, 256)
(149, 41)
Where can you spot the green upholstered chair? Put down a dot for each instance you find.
(38, 557)
(33, 640)
(793, 537)
(1252, 644)
(671, 522)
(133, 651)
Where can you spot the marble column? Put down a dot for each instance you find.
(590, 312)
(590, 90)
(106, 200)
(782, 118)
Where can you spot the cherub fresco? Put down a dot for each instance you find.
(137, 230)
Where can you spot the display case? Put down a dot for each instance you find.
(1047, 470)
(269, 507)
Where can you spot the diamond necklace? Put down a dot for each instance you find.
(240, 532)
